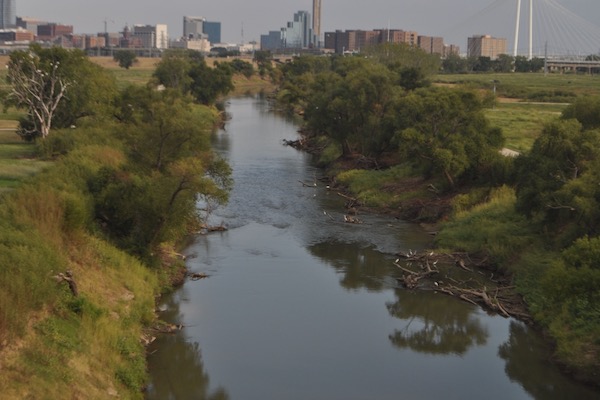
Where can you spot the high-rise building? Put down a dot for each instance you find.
(8, 16)
(213, 30)
(299, 31)
(317, 21)
(193, 27)
(200, 28)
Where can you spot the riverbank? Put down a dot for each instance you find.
(475, 228)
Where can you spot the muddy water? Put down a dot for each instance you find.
(300, 305)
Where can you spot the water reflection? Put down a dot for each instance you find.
(541, 383)
(359, 265)
(179, 372)
(435, 324)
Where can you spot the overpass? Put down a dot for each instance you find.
(563, 65)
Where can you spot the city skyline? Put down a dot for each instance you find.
(244, 21)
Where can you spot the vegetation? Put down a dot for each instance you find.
(125, 58)
(534, 218)
(120, 195)
(187, 72)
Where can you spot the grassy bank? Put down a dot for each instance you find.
(56, 344)
(88, 343)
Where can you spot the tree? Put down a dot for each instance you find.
(558, 180)
(38, 85)
(264, 61)
(504, 63)
(125, 58)
(242, 67)
(455, 64)
(153, 198)
(187, 71)
(586, 110)
(349, 106)
(173, 70)
(445, 131)
(88, 90)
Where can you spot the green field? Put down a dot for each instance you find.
(524, 102)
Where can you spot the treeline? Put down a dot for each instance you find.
(130, 167)
(535, 216)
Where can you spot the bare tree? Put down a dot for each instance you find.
(38, 88)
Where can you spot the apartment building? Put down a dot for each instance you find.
(485, 46)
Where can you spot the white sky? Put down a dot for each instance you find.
(455, 20)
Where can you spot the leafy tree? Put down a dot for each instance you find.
(504, 63)
(210, 83)
(264, 60)
(125, 58)
(558, 179)
(38, 85)
(586, 110)
(162, 126)
(350, 108)
(153, 199)
(242, 67)
(483, 64)
(455, 64)
(445, 131)
(189, 73)
(173, 70)
(60, 86)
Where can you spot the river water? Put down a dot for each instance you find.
(300, 305)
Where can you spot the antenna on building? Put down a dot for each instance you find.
(242, 32)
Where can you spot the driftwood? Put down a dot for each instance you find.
(351, 220)
(304, 184)
(196, 276)
(410, 279)
(215, 228)
(167, 328)
(494, 295)
(68, 277)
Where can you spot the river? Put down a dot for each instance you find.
(300, 305)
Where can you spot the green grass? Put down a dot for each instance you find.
(526, 101)
(521, 123)
(527, 83)
(17, 161)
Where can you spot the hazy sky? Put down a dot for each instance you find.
(455, 20)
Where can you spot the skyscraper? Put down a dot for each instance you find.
(316, 27)
(8, 16)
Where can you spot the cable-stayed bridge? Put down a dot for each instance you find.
(535, 28)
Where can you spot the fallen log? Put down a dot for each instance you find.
(68, 277)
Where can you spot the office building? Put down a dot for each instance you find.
(272, 41)
(200, 28)
(213, 31)
(152, 36)
(485, 46)
(193, 27)
(8, 17)
(298, 33)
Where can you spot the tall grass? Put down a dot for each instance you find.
(492, 228)
(46, 228)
